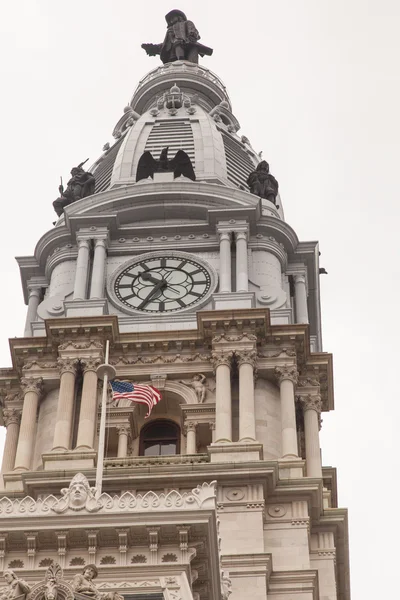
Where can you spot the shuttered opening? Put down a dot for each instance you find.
(104, 171)
(238, 163)
(177, 134)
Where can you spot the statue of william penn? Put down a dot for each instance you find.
(181, 40)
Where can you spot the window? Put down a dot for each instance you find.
(160, 438)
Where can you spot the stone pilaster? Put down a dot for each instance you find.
(225, 274)
(82, 269)
(190, 431)
(99, 268)
(35, 296)
(32, 389)
(312, 407)
(88, 412)
(246, 360)
(123, 436)
(287, 376)
(223, 405)
(242, 275)
(12, 419)
(65, 408)
(300, 287)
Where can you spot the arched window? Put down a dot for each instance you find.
(160, 438)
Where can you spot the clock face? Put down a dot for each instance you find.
(162, 284)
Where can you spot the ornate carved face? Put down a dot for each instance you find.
(9, 576)
(89, 573)
(78, 494)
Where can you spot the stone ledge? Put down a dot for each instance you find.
(235, 452)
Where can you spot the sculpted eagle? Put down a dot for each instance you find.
(179, 165)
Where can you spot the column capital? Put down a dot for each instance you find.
(190, 426)
(311, 402)
(90, 363)
(101, 242)
(212, 426)
(83, 242)
(222, 358)
(241, 235)
(32, 384)
(67, 365)
(287, 372)
(299, 278)
(122, 429)
(224, 235)
(11, 415)
(246, 356)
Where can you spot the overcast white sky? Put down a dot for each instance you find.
(315, 84)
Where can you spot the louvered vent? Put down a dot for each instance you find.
(176, 134)
(104, 171)
(239, 164)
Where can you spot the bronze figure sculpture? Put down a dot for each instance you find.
(179, 165)
(262, 183)
(80, 185)
(180, 42)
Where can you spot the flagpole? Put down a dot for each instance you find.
(106, 372)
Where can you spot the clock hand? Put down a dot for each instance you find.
(149, 277)
(160, 285)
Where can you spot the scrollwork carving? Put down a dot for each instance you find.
(286, 372)
(32, 384)
(90, 363)
(67, 365)
(11, 415)
(246, 357)
(311, 402)
(222, 358)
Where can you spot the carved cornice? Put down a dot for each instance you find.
(159, 358)
(286, 372)
(67, 365)
(90, 364)
(81, 345)
(246, 357)
(223, 337)
(32, 384)
(11, 415)
(311, 402)
(222, 358)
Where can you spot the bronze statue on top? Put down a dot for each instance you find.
(180, 42)
(80, 185)
(262, 183)
(179, 165)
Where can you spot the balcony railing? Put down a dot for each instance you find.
(146, 461)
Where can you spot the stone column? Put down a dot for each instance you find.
(301, 298)
(12, 418)
(246, 360)
(123, 434)
(88, 413)
(312, 407)
(32, 388)
(82, 269)
(225, 276)
(242, 275)
(99, 269)
(35, 294)
(65, 408)
(190, 430)
(212, 428)
(223, 404)
(287, 377)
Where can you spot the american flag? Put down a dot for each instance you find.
(142, 394)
